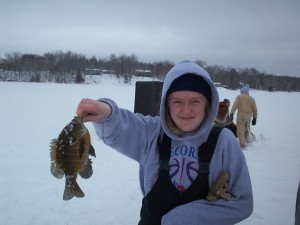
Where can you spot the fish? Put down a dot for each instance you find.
(69, 155)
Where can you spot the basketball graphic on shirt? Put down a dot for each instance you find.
(183, 172)
(191, 171)
(174, 168)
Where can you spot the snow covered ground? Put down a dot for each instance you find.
(32, 114)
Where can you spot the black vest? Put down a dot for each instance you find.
(164, 196)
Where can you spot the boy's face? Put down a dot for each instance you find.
(187, 109)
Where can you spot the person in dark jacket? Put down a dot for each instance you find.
(297, 214)
(223, 119)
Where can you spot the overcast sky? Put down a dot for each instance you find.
(264, 34)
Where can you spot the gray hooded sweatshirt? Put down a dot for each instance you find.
(136, 136)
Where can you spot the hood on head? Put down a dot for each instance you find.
(188, 67)
(191, 82)
(245, 89)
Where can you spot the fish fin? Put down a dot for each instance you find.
(53, 146)
(92, 151)
(56, 172)
(87, 170)
(72, 189)
(53, 142)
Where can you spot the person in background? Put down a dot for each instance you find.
(223, 119)
(172, 180)
(227, 102)
(246, 106)
(297, 211)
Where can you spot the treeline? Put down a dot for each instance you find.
(233, 78)
(68, 66)
(59, 66)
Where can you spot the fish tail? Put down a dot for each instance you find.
(72, 189)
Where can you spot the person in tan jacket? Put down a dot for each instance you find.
(246, 110)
